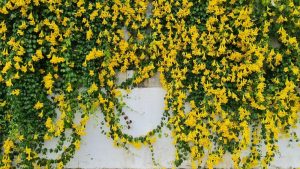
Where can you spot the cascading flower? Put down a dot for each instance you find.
(236, 67)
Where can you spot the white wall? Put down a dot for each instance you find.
(145, 110)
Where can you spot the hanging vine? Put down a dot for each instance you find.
(235, 63)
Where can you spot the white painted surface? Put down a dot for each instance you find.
(145, 107)
(145, 110)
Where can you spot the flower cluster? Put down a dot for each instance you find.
(230, 69)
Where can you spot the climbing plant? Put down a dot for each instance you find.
(234, 63)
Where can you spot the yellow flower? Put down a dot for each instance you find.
(222, 49)
(56, 59)
(3, 28)
(8, 83)
(6, 67)
(60, 165)
(278, 59)
(123, 46)
(48, 81)
(282, 113)
(28, 152)
(137, 145)
(101, 99)
(21, 137)
(38, 55)
(295, 70)
(47, 137)
(23, 69)
(38, 105)
(152, 140)
(243, 113)
(69, 88)
(16, 92)
(89, 34)
(293, 41)
(80, 130)
(7, 146)
(94, 54)
(30, 17)
(93, 88)
(281, 19)
(17, 59)
(23, 25)
(191, 120)
(80, 3)
(77, 144)
(140, 36)
(49, 125)
(110, 83)
(5, 52)
(41, 114)
(91, 73)
(93, 15)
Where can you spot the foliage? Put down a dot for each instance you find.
(216, 56)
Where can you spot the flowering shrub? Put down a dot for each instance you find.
(216, 56)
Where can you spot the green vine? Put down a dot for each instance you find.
(234, 62)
